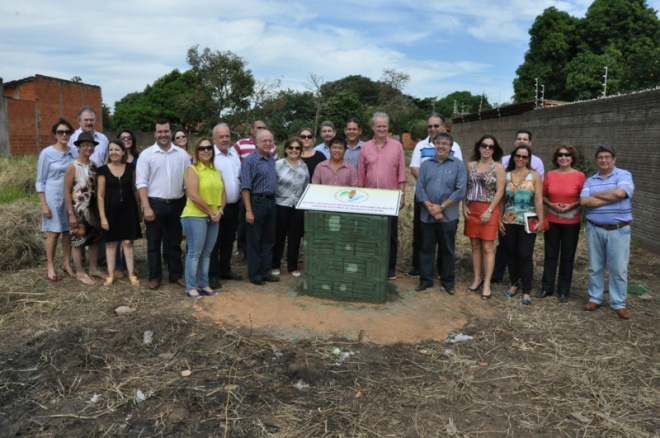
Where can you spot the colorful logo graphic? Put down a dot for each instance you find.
(351, 196)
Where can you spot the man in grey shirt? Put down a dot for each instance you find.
(441, 184)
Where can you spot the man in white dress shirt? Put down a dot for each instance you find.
(159, 180)
(87, 119)
(228, 163)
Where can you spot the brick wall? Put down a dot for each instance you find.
(36, 103)
(631, 123)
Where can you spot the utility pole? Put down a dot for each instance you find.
(605, 83)
(536, 93)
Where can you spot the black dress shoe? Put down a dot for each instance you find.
(449, 289)
(231, 276)
(563, 299)
(214, 283)
(422, 287)
(271, 278)
(544, 294)
(258, 282)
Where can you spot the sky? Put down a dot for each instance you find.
(123, 46)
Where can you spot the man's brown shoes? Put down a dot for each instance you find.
(623, 313)
(591, 306)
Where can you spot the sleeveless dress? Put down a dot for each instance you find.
(481, 189)
(83, 197)
(121, 208)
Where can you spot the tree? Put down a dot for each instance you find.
(315, 85)
(222, 88)
(568, 55)
(367, 90)
(106, 119)
(341, 107)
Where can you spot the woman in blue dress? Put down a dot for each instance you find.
(49, 186)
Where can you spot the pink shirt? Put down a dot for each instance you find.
(382, 168)
(563, 188)
(346, 175)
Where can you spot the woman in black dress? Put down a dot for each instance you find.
(118, 209)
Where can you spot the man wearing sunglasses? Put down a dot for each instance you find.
(423, 151)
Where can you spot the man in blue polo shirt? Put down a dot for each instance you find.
(607, 197)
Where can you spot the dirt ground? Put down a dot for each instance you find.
(269, 362)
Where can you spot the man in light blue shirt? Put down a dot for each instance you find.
(352, 131)
(608, 198)
(328, 132)
(441, 184)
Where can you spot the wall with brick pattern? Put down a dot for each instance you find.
(631, 123)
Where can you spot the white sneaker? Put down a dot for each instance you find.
(275, 272)
(296, 273)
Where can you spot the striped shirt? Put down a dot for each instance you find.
(610, 214)
(246, 146)
(258, 174)
(291, 183)
(382, 168)
(346, 174)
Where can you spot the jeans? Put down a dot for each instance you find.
(168, 216)
(224, 245)
(500, 259)
(201, 235)
(260, 237)
(561, 242)
(291, 225)
(443, 235)
(519, 252)
(611, 248)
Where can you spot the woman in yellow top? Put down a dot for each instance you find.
(201, 216)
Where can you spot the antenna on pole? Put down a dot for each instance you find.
(536, 93)
(605, 83)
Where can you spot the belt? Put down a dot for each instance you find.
(167, 201)
(611, 227)
(262, 195)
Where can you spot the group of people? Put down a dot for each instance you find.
(94, 192)
(507, 198)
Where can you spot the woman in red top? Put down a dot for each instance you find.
(561, 195)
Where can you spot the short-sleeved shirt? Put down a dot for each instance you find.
(352, 155)
(246, 146)
(425, 150)
(617, 212)
(258, 174)
(563, 188)
(291, 182)
(346, 175)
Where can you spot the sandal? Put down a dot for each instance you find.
(108, 281)
(85, 279)
(526, 300)
(134, 281)
(511, 294)
(196, 295)
(477, 287)
(486, 297)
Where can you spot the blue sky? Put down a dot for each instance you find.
(122, 46)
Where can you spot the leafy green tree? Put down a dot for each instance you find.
(106, 120)
(341, 107)
(365, 89)
(222, 88)
(288, 112)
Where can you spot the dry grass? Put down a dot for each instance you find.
(21, 242)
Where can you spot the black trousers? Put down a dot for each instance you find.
(442, 235)
(224, 245)
(168, 217)
(519, 252)
(417, 236)
(260, 237)
(290, 227)
(561, 242)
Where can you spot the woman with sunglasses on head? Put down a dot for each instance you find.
(309, 155)
(53, 162)
(523, 193)
(561, 195)
(292, 178)
(485, 187)
(200, 219)
(118, 203)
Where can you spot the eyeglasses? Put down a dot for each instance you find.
(433, 126)
(305, 137)
(179, 137)
(488, 146)
(64, 132)
(522, 157)
(259, 127)
(126, 137)
(564, 154)
(294, 148)
(204, 148)
(87, 145)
